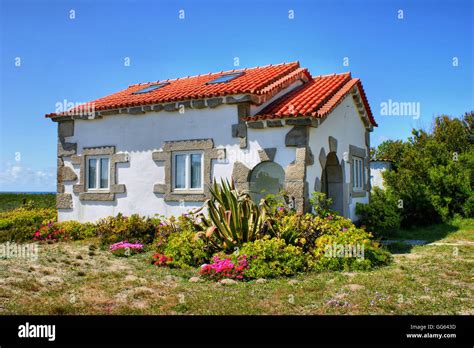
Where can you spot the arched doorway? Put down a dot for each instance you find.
(332, 182)
(266, 178)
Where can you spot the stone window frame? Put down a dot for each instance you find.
(356, 188)
(187, 171)
(114, 187)
(98, 174)
(359, 152)
(165, 156)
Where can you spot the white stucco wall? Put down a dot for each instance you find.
(344, 124)
(140, 135)
(376, 170)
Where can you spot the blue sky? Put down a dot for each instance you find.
(81, 59)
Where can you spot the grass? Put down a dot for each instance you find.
(429, 279)
(452, 231)
(10, 201)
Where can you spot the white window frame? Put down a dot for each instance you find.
(187, 173)
(358, 173)
(97, 175)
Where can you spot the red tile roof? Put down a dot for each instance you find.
(315, 98)
(258, 81)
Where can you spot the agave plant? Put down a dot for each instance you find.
(233, 217)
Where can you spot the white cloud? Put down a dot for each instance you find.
(15, 177)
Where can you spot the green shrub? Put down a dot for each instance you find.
(381, 216)
(233, 218)
(352, 249)
(303, 229)
(321, 204)
(185, 250)
(278, 204)
(75, 230)
(133, 229)
(269, 258)
(433, 172)
(20, 224)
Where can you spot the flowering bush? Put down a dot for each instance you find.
(185, 250)
(350, 249)
(20, 224)
(125, 248)
(302, 230)
(225, 268)
(75, 230)
(49, 232)
(136, 228)
(270, 258)
(161, 260)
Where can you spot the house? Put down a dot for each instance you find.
(377, 167)
(154, 148)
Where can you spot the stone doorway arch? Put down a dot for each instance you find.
(332, 182)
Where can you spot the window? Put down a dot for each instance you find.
(97, 173)
(151, 88)
(266, 178)
(225, 78)
(357, 173)
(187, 171)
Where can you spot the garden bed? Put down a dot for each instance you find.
(70, 279)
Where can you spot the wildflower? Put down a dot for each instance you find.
(225, 268)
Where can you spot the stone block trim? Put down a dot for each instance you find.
(165, 156)
(65, 149)
(214, 102)
(322, 158)
(362, 153)
(274, 123)
(267, 154)
(64, 201)
(299, 121)
(239, 130)
(198, 104)
(160, 188)
(96, 196)
(66, 174)
(241, 176)
(66, 129)
(114, 187)
(297, 136)
(332, 144)
(295, 179)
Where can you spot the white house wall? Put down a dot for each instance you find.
(140, 135)
(376, 173)
(345, 125)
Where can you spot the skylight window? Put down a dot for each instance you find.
(151, 88)
(225, 78)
